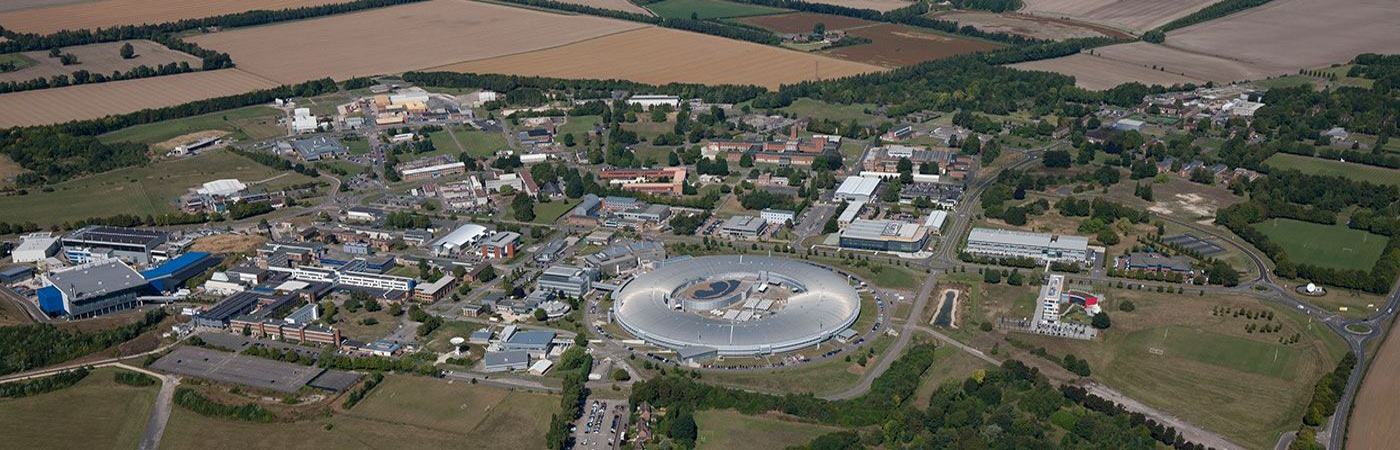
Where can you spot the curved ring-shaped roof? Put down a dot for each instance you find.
(826, 305)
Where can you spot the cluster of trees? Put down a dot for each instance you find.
(989, 5)
(427, 323)
(1165, 434)
(37, 345)
(85, 77)
(137, 379)
(1075, 365)
(687, 224)
(44, 385)
(243, 209)
(359, 393)
(1326, 393)
(418, 363)
(248, 412)
(405, 220)
(574, 365)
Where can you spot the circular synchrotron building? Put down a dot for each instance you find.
(737, 305)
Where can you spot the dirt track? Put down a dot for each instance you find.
(662, 55)
(401, 38)
(108, 13)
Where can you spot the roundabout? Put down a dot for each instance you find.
(737, 305)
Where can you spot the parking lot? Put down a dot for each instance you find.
(237, 369)
(603, 425)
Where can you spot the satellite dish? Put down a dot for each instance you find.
(1312, 288)
(457, 341)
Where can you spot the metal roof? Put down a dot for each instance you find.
(858, 185)
(1025, 238)
(96, 279)
(884, 230)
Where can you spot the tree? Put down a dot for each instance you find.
(523, 207)
(1057, 158)
(128, 51)
(746, 160)
(683, 428)
(568, 140)
(540, 315)
(487, 273)
(621, 375)
(819, 29)
(1101, 321)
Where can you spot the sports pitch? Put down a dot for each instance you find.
(1333, 246)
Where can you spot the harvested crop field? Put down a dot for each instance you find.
(90, 101)
(1283, 36)
(108, 13)
(1049, 28)
(902, 45)
(802, 22)
(101, 58)
(878, 5)
(1136, 16)
(617, 5)
(663, 55)
(1374, 415)
(12, 5)
(1099, 73)
(401, 38)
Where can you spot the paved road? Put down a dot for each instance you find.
(895, 351)
(160, 412)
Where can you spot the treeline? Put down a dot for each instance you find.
(130, 378)
(710, 27)
(360, 392)
(414, 364)
(248, 412)
(32, 346)
(1214, 11)
(1164, 434)
(43, 385)
(1326, 393)
(583, 88)
(1317, 199)
(989, 5)
(574, 364)
(85, 77)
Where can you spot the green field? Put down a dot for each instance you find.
(817, 109)
(729, 429)
(1221, 350)
(19, 60)
(817, 377)
(144, 190)
(1334, 246)
(579, 126)
(356, 146)
(404, 412)
(250, 123)
(550, 212)
(1319, 166)
(708, 9)
(107, 414)
(442, 140)
(481, 144)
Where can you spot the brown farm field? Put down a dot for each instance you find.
(101, 58)
(619, 5)
(401, 38)
(1374, 417)
(1099, 73)
(662, 55)
(1278, 38)
(802, 22)
(1136, 16)
(15, 5)
(878, 5)
(109, 13)
(1029, 26)
(90, 101)
(902, 45)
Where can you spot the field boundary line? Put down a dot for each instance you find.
(552, 47)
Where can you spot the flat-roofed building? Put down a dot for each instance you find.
(35, 247)
(568, 280)
(505, 361)
(743, 226)
(885, 236)
(1044, 247)
(779, 217)
(133, 245)
(92, 289)
(850, 214)
(857, 188)
(432, 292)
(501, 245)
(935, 220)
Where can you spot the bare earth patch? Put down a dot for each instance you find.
(1099, 73)
(401, 38)
(227, 243)
(177, 141)
(109, 13)
(662, 55)
(103, 58)
(1136, 16)
(91, 101)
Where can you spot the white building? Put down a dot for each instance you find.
(857, 188)
(35, 247)
(459, 239)
(649, 101)
(935, 220)
(1044, 247)
(850, 214)
(303, 121)
(778, 217)
(222, 188)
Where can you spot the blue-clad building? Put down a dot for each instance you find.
(92, 290)
(172, 274)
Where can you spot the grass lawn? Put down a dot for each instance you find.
(249, 123)
(404, 412)
(817, 109)
(1334, 246)
(350, 326)
(356, 146)
(145, 190)
(888, 276)
(817, 378)
(728, 429)
(439, 341)
(579, 126)
(444, 143)
(481, 144)
(550, 212)
(708, 9)
(1172, 353)
(350, 169)
(19, 60)
(1319, 166)
(109, 415)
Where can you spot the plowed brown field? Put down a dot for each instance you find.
(878, 5)
(108, 13)
(1099, 73)
(662, 55)
(901, 45)
(1136, 16)
(90, 101)
(401, 38)
(1374, 417)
